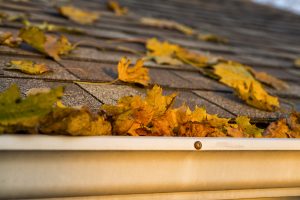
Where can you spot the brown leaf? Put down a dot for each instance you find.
(269, 80)
(7, 38)
(212, 38)
(169, 24)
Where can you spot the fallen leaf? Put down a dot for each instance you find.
(28, 67)
(136, 74)
(75, 122)
(278, 129)
(293, 122)
(47, 44)
(79, 16)
(162, 52)
(195, 59)
(6, 17)
(7, 38)
(45, 26)
(169, 24)
(269, 80)
(17, 114)
(236, 76)
(251, 130)
(116, 8)
(212, 38)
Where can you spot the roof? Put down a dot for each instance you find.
(262, 37)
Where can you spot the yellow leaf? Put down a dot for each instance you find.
(212, 38)
(162, 52)
(169, 24)
(47, 44)
(79, 16)
(278, 129)
(236, 75)
(7, 38)
(251, 130)
(28, 67)
(269, 80)
(115, 6)
(135, 74)
(76, 122)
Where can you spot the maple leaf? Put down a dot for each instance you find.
(269, 80)
(251, 130)
(27, 67)
(115, 6)
(24, 114)
(212, 38)
(75, 122)
(169, 24)
(7, 38)
(278, 129)
(162, 52)
(236, 75)
(47, 44)
(79, 16)
(136, 74)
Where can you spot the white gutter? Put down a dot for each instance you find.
(39, 166)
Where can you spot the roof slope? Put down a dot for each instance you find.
(262, 37)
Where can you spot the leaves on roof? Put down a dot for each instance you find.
(212, 38)
(136, 74)
(7, 39)
(27, 67)
(272, 81)
(117, 8)
(17, 114)
(79, 16)
(236, 76)
(297, 62)
(47, 44)
(169, 24)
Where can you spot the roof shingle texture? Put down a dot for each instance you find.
(262, 37)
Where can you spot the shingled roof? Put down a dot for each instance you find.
(262, 37)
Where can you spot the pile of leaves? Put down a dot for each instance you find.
(153, 115)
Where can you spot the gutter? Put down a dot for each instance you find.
(114, 167)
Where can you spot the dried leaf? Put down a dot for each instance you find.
(212, 38)
(251, 130)
(45, 26)
(116, 8)
(28, 67)
(169, 24)
(162, 52)
(17, 114)
(269, 80)
(236, 75)
(75, 122)
(47, 44)
(136, 74)
(278, 129)
(5, 17)
(79, 16)
(7, 38)
(195, 59)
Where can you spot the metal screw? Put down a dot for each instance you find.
(198, 145)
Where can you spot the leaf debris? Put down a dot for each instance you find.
(27, 67)
(116, 8)
(79, 16)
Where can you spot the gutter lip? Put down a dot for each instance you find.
(9, 142)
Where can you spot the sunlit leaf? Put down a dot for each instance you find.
(79, 16)
(247, 88)
(28, 67)
(136, 74)
(251, 130)
(212, 38)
